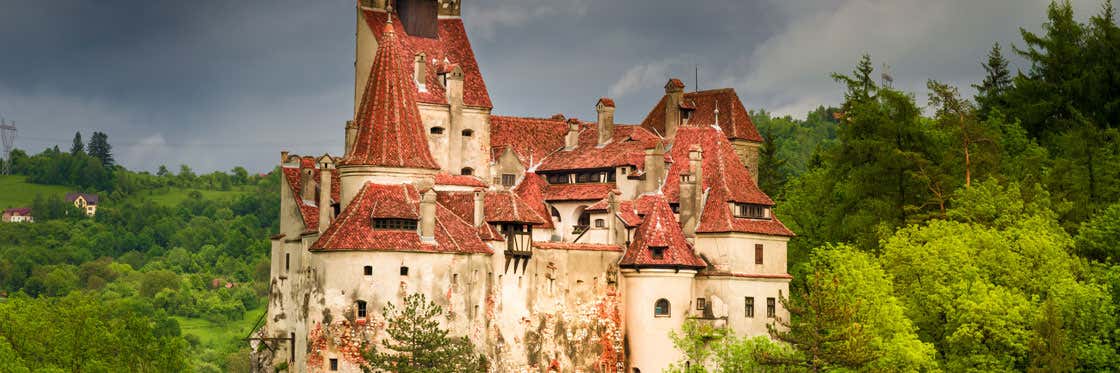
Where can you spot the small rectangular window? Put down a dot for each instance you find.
(600, 223)
(758, 254)
(395, 224)
(701, 304)
(750, 307)
(771, 307)
(334, 365)
(362, 308)
(752, 211)
(287, 262)
(367, 270)
(657, 252)
(508, 179)
(404, 271)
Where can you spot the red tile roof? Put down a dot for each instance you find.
(660, 229)
(721, 167)
(577, 192)
(498, 206)
(18, 211)
(390, 131)
(717, 218)
(309, 210)
(532, 139)
(576, 246)
(676, 83)
(531, 191)
(627, 147)
(633, 212)
(608, 102)
(452, 45)
(460, 180)
(734, 120)
(353, 229)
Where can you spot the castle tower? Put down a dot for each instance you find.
(658, 268)
(389, 146)
(451, 94)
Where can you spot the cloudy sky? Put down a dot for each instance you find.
(219, 83)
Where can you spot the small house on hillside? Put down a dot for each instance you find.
(86, 202)
(18, 215)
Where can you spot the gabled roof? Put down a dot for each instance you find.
(390, 131)
(353, 229)
(722, 168)
(309, 210)
(734, 120)
(443, 178)
(626, 147)
(498, 207)
(577, 192)
(660, 229)
(451, 47)
(531, 139)
(18, 211)
(717, 218)
(91, 199)
(531, 191)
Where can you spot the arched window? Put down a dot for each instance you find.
(585, 219)
(436, 130)
(661, 308)
(600, 223)
(466, 171)
(468, 133)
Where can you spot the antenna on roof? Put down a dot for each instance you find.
(696, 78)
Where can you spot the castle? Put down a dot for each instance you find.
(554, 244)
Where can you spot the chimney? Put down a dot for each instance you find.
(571, 140)
(428, 216)
(654, 168)
(605, 108)
(455, 119)
(674, 93)
(326, 211)
(479, 207)
(613, 229)
(306, 179)
(283, 157)
(692, 186)
(351, 135)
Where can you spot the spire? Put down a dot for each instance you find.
(659, 242)
(390, 132)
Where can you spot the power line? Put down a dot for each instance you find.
(8, 137)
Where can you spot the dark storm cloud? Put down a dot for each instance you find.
(215, 84)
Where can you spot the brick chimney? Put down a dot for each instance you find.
(455, 119)
(605, 108)
(674, 93)
(691, 190)
(479, 207)
(654, 168)
(307, 180)
(428, 216)
(326, 211)
(571, 140)
(351, 135)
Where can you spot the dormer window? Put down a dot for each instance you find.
(558, 178)
(751, 211)
(395, 224)
(467, 171)
(657, 252)
(436, 130)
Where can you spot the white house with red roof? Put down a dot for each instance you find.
(17, 215)
(552, 243)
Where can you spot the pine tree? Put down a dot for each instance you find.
(823, 329)
(78, 146)
(770, 176)
(1049, 347)
(99, 148)
(417, 343)
(990, 92)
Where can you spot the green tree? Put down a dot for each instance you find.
(990, 93)
(1099, 238)
(79, 146)
(99, 148)
(823, 329)
(417, 342)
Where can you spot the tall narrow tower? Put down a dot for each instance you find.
(8, 137)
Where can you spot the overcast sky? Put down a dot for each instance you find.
(219, 83)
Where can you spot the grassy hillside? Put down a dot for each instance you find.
(173, 196)
(219, 334)
(15, 191)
